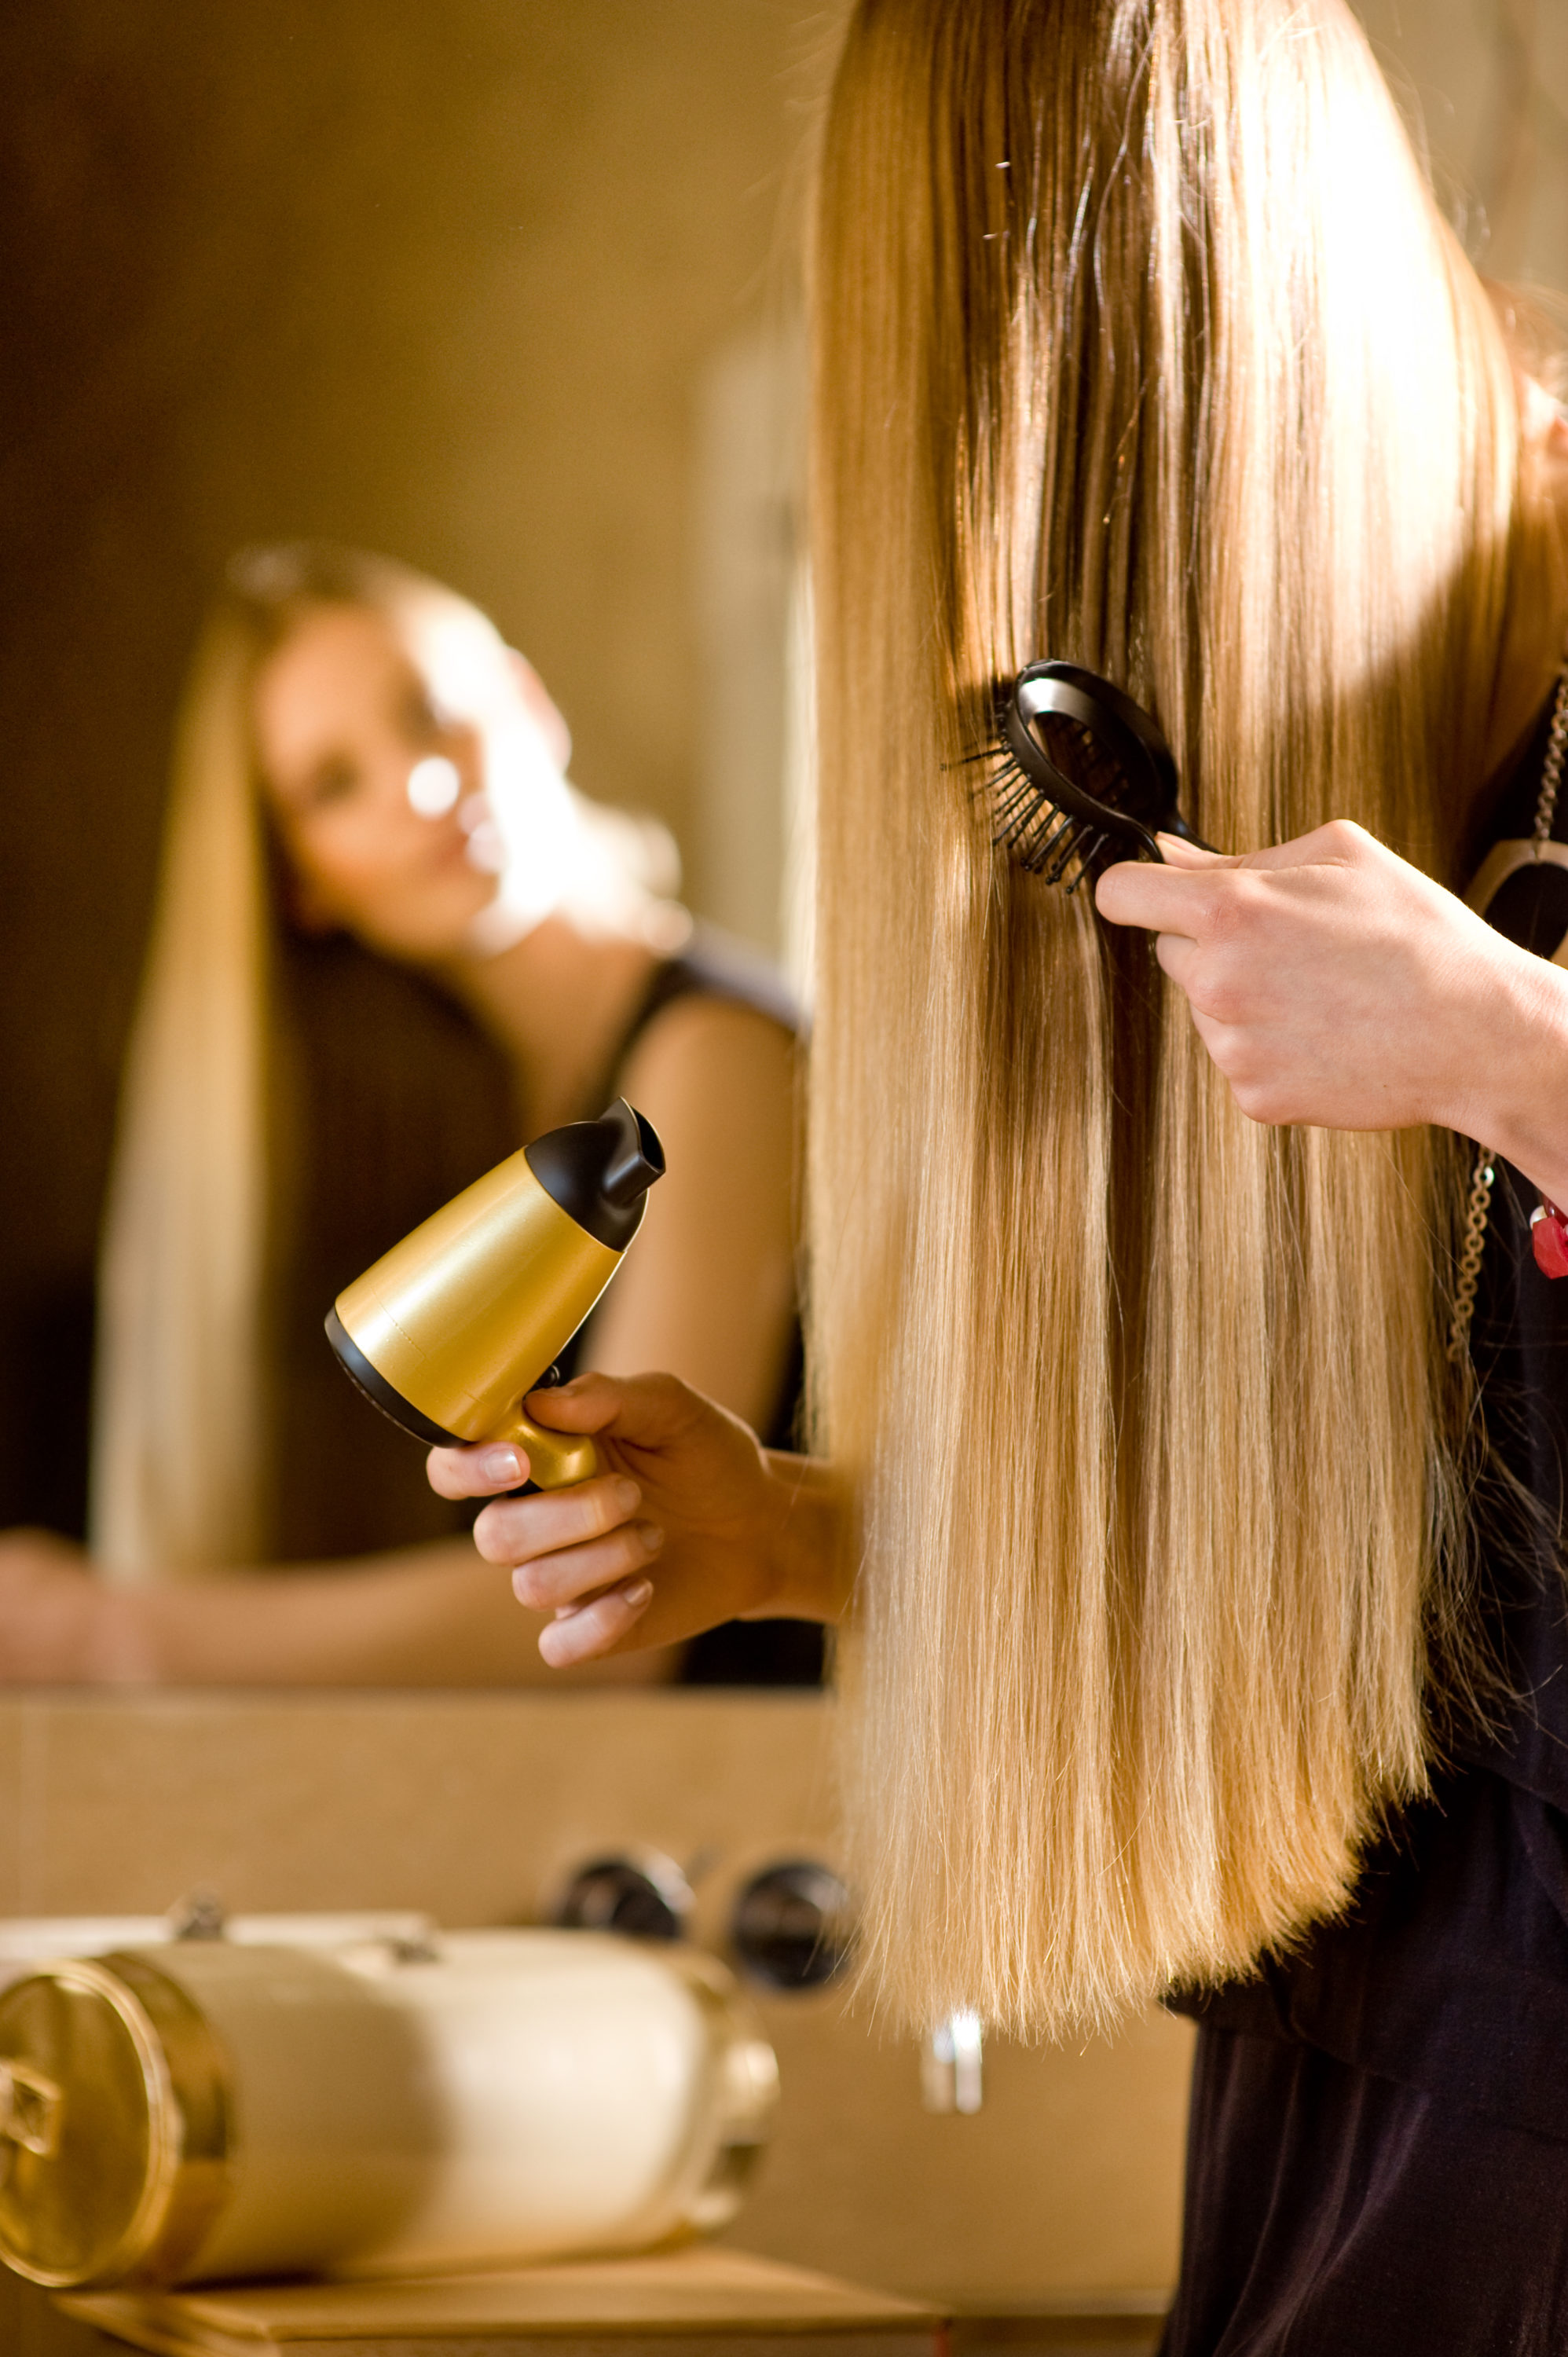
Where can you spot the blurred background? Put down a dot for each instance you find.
(507, 288)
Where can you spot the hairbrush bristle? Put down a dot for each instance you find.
(1040, 836)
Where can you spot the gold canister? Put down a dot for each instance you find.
(207, 2110)
(113, 2111)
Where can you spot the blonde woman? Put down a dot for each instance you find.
(370, 799)
(1194, 1640)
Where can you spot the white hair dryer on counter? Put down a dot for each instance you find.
(203, 2108)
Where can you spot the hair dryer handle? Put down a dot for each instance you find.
(555, 1460)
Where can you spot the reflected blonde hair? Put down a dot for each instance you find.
(180, 1408)
(1139, 342)
(180, 1472)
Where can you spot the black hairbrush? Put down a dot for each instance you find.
(1083, 778)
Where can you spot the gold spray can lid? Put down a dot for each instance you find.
(113, 2123)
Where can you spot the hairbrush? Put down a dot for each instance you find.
(1082, 776)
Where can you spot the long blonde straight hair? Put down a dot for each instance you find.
(1139, 342)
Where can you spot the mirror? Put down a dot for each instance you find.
(511, 293)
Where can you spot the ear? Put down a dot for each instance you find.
(544, 712)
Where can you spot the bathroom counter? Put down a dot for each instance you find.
(474, 1807)
(722, 2303)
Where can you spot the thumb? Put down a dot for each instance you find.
(642, 1411)
(588, 1403)
(1177, 852)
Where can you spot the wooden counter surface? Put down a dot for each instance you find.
(720, 2303)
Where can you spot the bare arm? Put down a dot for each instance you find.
(707, 1291)
(429, 1616)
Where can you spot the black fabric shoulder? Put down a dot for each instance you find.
(712, 965)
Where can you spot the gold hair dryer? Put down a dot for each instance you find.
(451, 1330)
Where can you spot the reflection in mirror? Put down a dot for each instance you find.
(508, 294)
(262, 1161)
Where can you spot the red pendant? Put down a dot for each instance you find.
(1549, 1240)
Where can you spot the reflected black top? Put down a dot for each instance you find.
(742, 1653)
(1450, 1974)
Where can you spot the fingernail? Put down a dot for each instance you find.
(652, 1537)
(637, 1592)
(501, 1465)
(624, 1496)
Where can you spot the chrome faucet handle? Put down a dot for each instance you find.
(951, 2079)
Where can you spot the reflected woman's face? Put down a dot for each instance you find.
(376, 792)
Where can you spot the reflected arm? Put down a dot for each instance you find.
(707, 1290)
(427, 1616)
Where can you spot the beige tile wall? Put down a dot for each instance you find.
(1485, 84)
(471, 1808)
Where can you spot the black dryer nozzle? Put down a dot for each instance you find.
(599, 1172)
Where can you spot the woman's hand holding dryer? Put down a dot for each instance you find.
(692, 1523)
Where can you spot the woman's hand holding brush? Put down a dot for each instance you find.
(1335, 985)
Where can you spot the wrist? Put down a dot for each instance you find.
(1518, 1104)
(122, 1646)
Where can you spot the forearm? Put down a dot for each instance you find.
(811, 1570)
(1517, 1100)
(431, 1616)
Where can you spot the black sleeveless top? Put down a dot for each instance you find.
(1449, 1974)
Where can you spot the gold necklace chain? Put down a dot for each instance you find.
(1551, 767)
(1483, 1177)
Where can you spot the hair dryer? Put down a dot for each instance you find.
(451, 1330)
